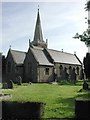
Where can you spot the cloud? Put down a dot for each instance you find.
(42, 1)
(60, 22)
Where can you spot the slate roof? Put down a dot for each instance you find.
(63, 57)
(18, 56)
(40, 56)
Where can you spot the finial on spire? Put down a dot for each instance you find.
(38, 8)
(47, 41)
(29, 42)
(74, 52)
(10, 46)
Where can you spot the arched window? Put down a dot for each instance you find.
(74, 70)
(65, 69)
(70, 69)
(61, 69)
(65, 74)
(78, 70)
(46, 71)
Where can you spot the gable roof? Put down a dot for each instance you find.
(63, 57)
(18, 56)
(40, 56)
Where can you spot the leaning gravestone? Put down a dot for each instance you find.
(10, 84)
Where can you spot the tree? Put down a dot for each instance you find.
(87, 5)
(86, 63)
(85, 37)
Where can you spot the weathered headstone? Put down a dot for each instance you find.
(10, 84)
(19, 80)
(30, 82)
(4, 86)
(22, 111)
(55, 77)
(82, 109)
(85, 86)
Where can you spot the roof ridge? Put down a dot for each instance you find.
(37, 48)
(61, 51)
(18, 51)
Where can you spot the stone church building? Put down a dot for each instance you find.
(41, 64)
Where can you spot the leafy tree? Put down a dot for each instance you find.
(85, 37)
(86, 61)
(87, 5)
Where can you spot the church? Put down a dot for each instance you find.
(41, 64)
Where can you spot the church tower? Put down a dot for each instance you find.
(38, 36)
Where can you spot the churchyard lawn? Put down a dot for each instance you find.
(59, 99)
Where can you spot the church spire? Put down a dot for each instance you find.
(38, 30)
(38, 36)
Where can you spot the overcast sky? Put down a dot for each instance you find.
(60, 21)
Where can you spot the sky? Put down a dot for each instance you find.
(60, 21)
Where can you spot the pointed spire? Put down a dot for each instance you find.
(38, 30)
(38, 36)
(29, 42)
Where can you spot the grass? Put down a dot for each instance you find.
(59, 99)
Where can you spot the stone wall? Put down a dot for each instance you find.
(30, 68)
(12, 69)
(68, 72)
(45, 74)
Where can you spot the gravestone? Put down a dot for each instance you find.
(82, 109)
(85, 86)
(22, 110)
(19, 80)
(4, 86)
(55, 77)
(10, 84)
